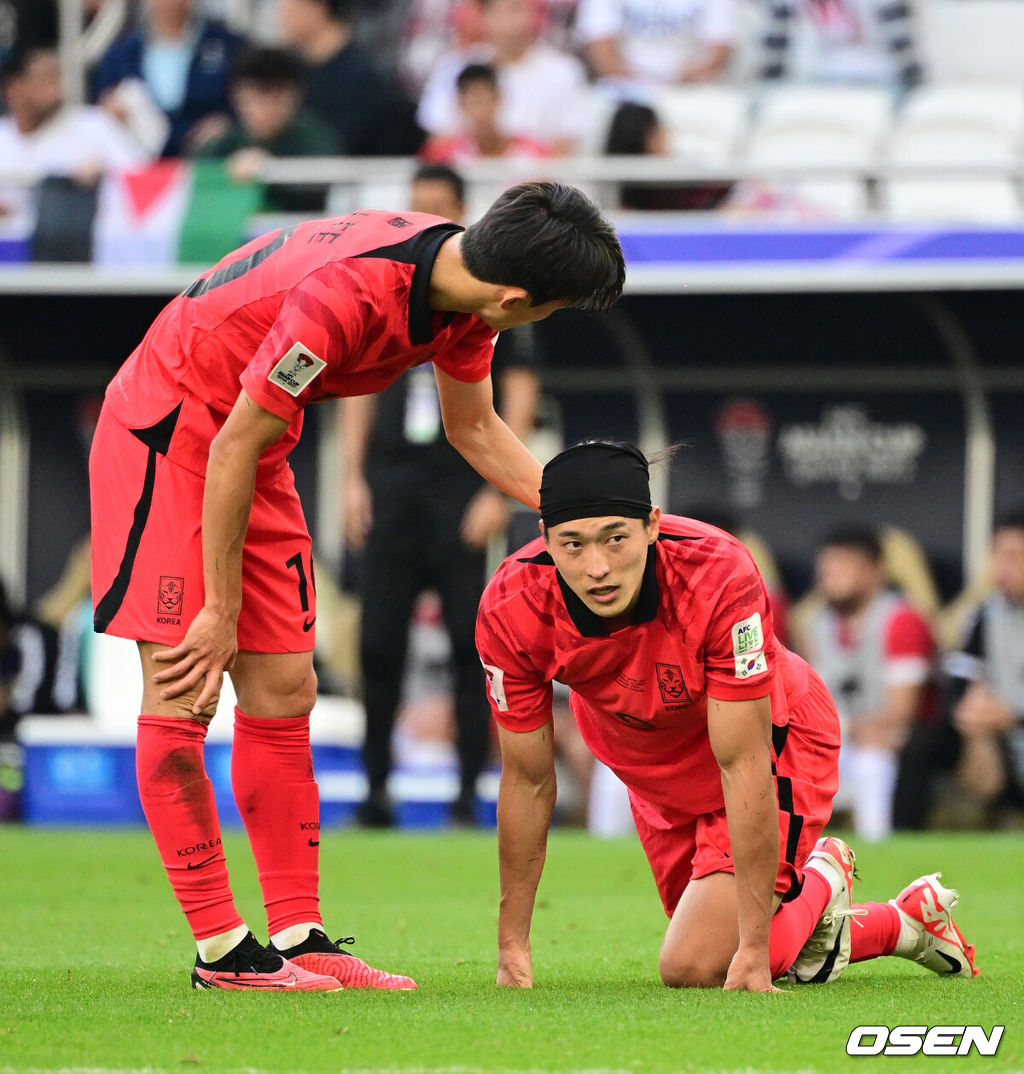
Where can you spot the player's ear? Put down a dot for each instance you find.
(653, 525)
(513, 297)
(543, 530)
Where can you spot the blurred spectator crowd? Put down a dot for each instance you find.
(725, 93)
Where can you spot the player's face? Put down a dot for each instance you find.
(1008, 563)
(602, 559)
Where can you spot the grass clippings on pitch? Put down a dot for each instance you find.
(94, 974)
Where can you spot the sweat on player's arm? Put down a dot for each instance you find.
(727, 742)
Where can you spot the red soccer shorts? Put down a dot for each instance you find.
(147, 555)
(807, 775)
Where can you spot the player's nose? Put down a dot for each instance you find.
(597, 565)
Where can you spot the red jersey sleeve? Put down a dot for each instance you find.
(469, 357)
(519, 695)
(322, 323)
(739, 646)
(909, 649)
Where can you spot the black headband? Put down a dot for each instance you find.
(593, 480)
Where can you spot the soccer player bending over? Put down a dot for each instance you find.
(727, 742)
(200, 550)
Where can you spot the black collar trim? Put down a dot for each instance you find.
(420, 251)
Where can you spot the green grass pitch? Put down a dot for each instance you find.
(95, 962)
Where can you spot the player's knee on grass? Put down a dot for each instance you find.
(690, 970)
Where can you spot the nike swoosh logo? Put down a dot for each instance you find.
(200, 864)
(307, 624)
(954, 965)
(314, 842)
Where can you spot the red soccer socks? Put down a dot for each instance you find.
(875, 932)
(794, 922)
(278, 799)
(177, 798)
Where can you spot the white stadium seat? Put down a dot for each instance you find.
(800, 127)
(951, 200)
(988, 106)
(704, 123)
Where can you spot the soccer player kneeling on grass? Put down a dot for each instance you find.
(200, 550)
(727, 742)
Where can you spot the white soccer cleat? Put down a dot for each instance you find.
(827, 951)
(926, 905)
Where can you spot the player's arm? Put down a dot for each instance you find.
(357, 416)
(476, 431)
(487, 513)
(526, 799)
(740, 734)
(210, 643)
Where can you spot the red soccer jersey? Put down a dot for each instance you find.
(702, 628)
(332, 308)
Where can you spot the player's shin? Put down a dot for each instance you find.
(279, 802)
(177, 798)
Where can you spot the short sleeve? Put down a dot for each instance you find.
(519, 696)
(739, 653)
(909, 649)
(319, 328)
(468, 358)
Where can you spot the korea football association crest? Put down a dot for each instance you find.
(674, 693)
(170, 599)
(296, 370)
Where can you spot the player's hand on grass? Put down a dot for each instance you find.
(205, 653)
(749, 972)
(515, 968)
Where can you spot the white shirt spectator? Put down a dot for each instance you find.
(81, 141)
(658, 39)
(543, 94)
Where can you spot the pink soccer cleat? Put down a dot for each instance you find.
(250, 965)
(926, 906)
(319, 955)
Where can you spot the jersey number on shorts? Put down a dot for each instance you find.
(304, 584)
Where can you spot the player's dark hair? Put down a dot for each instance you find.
(268, 67)
(476, 72)
(863, 539)
(442, 173)
(551, 240)
(1012, 521)
(630, 129)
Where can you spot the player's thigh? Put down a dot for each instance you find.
(147, 566)
(703, 934)
(181, 706)
(274, 685)
(278, 613)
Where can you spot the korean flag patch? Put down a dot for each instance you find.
(296, 370)
(747, 645)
